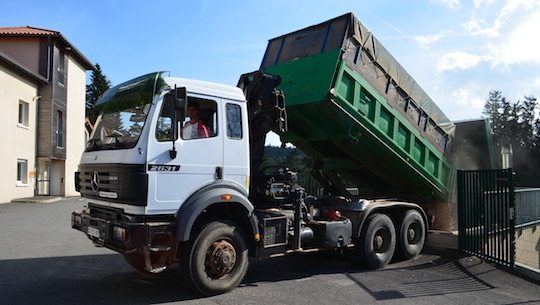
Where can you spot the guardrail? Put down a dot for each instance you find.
(527, 205)
(528, 227)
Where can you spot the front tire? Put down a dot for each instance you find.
(218, 258)
(378, 241)
(412, 234)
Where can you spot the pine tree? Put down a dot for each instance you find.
(504, 135)
(514, 127)
(493, 109)
(516, 124)
(536, 138)
(527, 121)
(98, 85)
(297, 161)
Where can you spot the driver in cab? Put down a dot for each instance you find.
(194, 128)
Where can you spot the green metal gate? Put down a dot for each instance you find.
(486, 215)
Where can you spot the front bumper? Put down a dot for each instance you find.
(120, 235)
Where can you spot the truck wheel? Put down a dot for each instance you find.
(412, 234)
(218, 258)
(378, 241)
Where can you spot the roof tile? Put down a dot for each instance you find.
(27, 30)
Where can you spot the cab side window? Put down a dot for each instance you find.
(234, 121)
(201, 119)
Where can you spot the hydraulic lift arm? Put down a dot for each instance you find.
(266, 112)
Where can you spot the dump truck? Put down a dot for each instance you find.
(172, 171)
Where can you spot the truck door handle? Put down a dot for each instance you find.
(219, 173)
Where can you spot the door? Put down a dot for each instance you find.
(57, 186)
(236, 144)
(43, 178)
(199, 152)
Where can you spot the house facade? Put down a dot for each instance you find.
(43, 92)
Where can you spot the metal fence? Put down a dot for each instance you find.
(486, 215)
(527, 205)
(528, 227)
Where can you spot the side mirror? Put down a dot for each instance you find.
(180, 100)
(180, 95)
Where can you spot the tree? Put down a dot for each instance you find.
(516, 124)
(298, 161)
(98, 85)
(511, 123)
(536, 139)
(506, 126)
(527, 121)
(492, 109)
(291, 158)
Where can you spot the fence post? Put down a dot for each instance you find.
(512, 216)
(461, 211)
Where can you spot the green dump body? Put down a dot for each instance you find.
(353, 107)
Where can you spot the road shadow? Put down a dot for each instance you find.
(429, 275)
(107, 279)
(93, 279)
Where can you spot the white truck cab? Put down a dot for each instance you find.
(166, 156)
(135, 134)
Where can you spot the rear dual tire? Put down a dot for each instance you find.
(379, 239)
(412, 234)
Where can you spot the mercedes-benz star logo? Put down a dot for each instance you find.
(94, 181)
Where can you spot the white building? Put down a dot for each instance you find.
(42, 93)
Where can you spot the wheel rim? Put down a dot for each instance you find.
(414, 233)
(381, 240)
(220, 259)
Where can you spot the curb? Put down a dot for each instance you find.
(38, 199)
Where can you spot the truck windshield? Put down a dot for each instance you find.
(124, 109)
(118, 129)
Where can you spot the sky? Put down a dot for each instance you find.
(456, 50)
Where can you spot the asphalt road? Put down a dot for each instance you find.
(44, 261)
